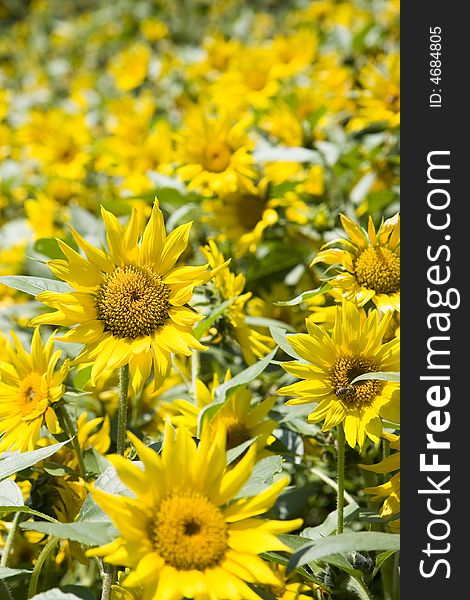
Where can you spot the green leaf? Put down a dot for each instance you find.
(90, 533)
(287, 154)
(215, 313)
(262, 476)
(57, 469)
(381, 558)
(57, 594)
(263, 322)
(343, 543)
(244, 377)
(234, 453)
(10, 493)
(279, 336)
(358, 589)
(34, 285)
(329, 524)
(82, 378)
(25, 509)
(49, 247)
(304, 296)
(80, 592)
(380, 375)
(13, 463)
(6, 572)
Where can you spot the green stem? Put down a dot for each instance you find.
(194, 373)
(33, 584)
(122, 411)
(340, 474)
(9, 540)
(332, 484)
(73, 433)
(391, 578)
(107, 577)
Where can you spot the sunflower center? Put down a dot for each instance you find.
(217, 157)
(30, 393)
(361, 393)
(133, 302)
(378, 269)
(237, 432)
(256, 80)
(189, 532)
(250, 211)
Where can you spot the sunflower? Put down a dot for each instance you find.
(229, 286)
(293, 586)
(354, 348)
(129, 303)
(242, 216)
(184, 534)
(129, 68)
(369, 263)
(215, 154)
(390, 490)
(30, 385)
(379, 99)
(241, 420)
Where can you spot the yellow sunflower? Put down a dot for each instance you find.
(241, 420)
(390, 490)
(229, 286)
(369, 263)
(293, 586)
(30, 385)
(215, 154)
(242, 216)
(354, 348)
(129, 304)
(184, 534)
(379, 99)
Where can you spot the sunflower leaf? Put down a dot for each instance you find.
(329, 524)
(58, 594)
(244, 377)
(10, 493)
(216, 312)
(287, 154)
(11, 463)
(262, 476)
(6, 572)
(279, 336)
(304, 296)
(343, 543)
(91, 533)
(380, 375)
(28, 511)
(34, 285)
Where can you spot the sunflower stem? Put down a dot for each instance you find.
(194, 373)
(107, 578)
(122, 411)
(9, 540)
(33, 583)
(73, 433)
(340, 474)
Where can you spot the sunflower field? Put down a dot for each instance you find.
(199, 300)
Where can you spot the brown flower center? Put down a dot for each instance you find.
(133, 302)
(189, 532)
(361, 393)
(217, 157)
(30, 393)
(250, 209)
(378, 269)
